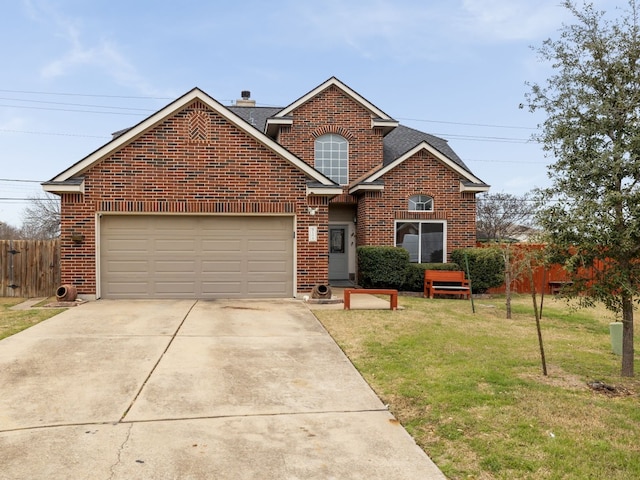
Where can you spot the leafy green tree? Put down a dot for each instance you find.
(591, 212)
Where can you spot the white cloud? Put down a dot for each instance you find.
(80, 54)
(509, 20)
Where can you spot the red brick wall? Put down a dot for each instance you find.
(193, 162)
(421, 174)
(197, 163)
(332, 111)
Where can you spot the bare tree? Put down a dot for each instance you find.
(504, 218)
(41, 219)
(9, 232)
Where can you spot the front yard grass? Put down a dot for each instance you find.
(469, 387)
(14, 321)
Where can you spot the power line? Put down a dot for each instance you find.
(31, 92)
(68, 110)
(19, 180)
(468, 124)
(54, 133)
(74, 104)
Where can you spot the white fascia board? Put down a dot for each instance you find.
(150, 122)
(279, 121)
(377, 122)
(323, 191)
(425, 146)
(367, 188)
(474, 188)
(64, 188)
(333, 81)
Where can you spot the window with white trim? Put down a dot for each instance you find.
(332, 157)
(426, 242)
(420, 203)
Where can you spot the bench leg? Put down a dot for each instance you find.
(394, 301)
(347, 300)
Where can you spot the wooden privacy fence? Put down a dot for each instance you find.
(29, 268)
(549, 279)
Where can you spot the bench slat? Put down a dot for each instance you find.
(432, 277)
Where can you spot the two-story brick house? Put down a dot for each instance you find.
(202, 200)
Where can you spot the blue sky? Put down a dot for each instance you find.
(75, 71)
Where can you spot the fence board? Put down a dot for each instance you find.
(33, 270)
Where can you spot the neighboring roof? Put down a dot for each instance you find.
(195, 94)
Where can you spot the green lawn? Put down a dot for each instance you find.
(469, 387)
(14, 321)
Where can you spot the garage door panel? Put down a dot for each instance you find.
(220, 266)
(230, 245)
(174, 287)
(174, 266)
(126, 245)
(129, 289)
(263, 289)
(266, 267)
(171, 256)
(171, 245)
(126, 266)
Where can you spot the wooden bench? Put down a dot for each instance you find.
(393, 300)
(445, 282)
(556, 286)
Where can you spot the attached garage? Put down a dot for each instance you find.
(183, 256)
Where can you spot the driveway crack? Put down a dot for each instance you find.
(112, 469)
(153, 369)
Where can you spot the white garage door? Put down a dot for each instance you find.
(171, 256)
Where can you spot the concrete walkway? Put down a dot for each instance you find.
(182, 389)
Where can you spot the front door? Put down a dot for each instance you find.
(338, 252)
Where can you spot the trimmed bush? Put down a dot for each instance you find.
(382, 267)
(414, 279)
(486, 267)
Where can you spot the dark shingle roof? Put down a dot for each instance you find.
(398, 142)
(402, 139)
(256, 116)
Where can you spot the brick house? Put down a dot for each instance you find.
(202, 200)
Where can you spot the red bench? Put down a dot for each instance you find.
(393, 300)
(445, 282)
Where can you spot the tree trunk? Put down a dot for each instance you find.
(536, 312)
(507, 279)
(627, 336)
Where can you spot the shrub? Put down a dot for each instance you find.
(486, 267)
(414, 278)
(382, 267)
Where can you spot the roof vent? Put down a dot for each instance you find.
(245, 101)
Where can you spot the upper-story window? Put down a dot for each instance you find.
(420, 203)
(332, 157)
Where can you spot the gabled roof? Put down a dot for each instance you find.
(378, 117)
(403, 143)
(67, 179)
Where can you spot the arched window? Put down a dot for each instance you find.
(420, 203)
(332, 157)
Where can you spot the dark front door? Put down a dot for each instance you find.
(338, 252)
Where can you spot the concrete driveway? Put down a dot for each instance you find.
(183, 389)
